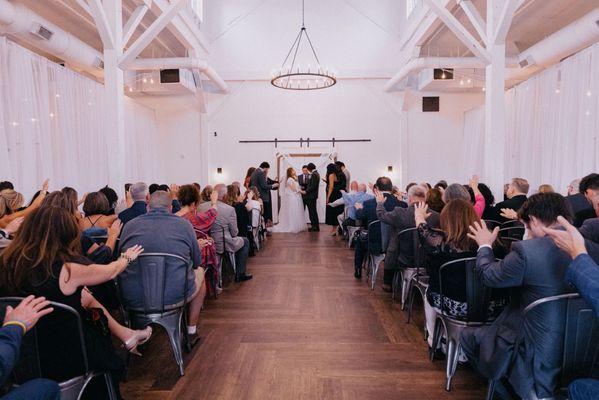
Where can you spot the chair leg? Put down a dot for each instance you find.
(452, 359)
(172, 325)
(396, 281)
(436, 338)
(405, 288)
(491, 389)
(109, 387)
(376, 264)
(411, 294)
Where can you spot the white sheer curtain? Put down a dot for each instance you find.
(52, 126)
(552, 124)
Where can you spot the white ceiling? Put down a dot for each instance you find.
(356, 38)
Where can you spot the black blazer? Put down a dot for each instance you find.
(312, 186)
(259, 180)
(515, 203)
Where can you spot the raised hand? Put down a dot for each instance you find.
(421, 213)
(14, 225)
(482, 235)
(509, 213)
(45, 185)
(380, 197)
(570, 240)
(28, 312)
(174, 190)
(474, 182)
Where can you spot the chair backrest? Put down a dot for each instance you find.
(512, 233)
(255, 216)
(416, 253)
(63, 330)
(512, 223)
(478, 296)
(580, 354)
(375, 245)
(156, 282)
(491, 223)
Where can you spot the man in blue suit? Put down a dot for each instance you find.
(366, 213)
(583, 274)
(16, 323)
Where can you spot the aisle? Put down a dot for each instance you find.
(303, 328)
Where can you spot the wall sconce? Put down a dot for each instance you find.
(390, 168)
(219, 171)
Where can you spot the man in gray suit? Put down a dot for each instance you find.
(225, 233)
(401, 254)
(534, 269)
(260, 180)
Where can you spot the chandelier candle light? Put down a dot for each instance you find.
(292, 77)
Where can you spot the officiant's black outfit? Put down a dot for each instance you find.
(310, 199)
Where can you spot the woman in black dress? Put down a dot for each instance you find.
(45, 260)
(335, 180)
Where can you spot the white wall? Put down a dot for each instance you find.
(354, 109)
(434, 140)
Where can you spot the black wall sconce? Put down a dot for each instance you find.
(390, 168)
(219, 170)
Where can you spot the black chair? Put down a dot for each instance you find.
(158, 303)
(31, 362)
(227, 266)
(580, 352)
(402, 276)
(491, 223)
(376, 250)
(478, 298)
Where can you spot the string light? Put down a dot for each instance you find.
(130, 89)
(144, 80)
(89, 103)
(152, 81)
(469, 81)
(57, 95)
(484, 89)
(557, 90)
(589, 93)
(33, 119)
(14, 123)
(52, 115)
(588, 112)
(461, 82)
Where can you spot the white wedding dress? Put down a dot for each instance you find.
(292, 218)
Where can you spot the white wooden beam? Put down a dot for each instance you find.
(475, 18)
(153, 30)
(133, 22)
(185, 29)
(505, 20)
(458, 29)
(97, 11)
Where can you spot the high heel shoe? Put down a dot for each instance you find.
(139, 337)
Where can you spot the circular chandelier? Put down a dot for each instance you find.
(296, 77)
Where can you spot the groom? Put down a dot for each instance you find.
(310, 196)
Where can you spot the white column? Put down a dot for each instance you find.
(495, 135)
(115, 96)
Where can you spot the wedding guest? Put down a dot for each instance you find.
(201, 221)
(515, 192)
(589, 188)
(335, 180)
(434, 200)
(97, 212)
(545, 188)
(6, 185)
(533, 269)
(259, 180)
(489, 212)
(17, 322)
(112, 198)
(6, 213)
(248, 177)
(160, 231)
(14, 200)
(140, 195)
(576, 200)
(346, 173)
(44, 260)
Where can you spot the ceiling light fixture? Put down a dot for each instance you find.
(292, 77)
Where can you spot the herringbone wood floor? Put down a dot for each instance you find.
(303, 328)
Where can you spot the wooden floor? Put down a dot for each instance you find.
(303, 328)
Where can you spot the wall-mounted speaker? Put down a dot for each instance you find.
(430, 104)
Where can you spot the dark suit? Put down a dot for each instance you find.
(515, 203)
(311, 197)
(379, 238)
(302, 180)
(137, 208)
(259, 180)
(535, 268)
(399, 219)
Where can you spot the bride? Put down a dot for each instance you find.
(291, 216)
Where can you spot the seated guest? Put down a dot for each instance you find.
(434, 200)
(97, 214)
(515, 192)
(140, 195)
(6, 185)
(577, 201)
(545, 188)
(201, 221)
(153, 187)
(206, 194)
(534, 269)
(160, 231)
(13, 199)
(589, 188)
(6, 233)
(17, 322)
(449, 243)
(112, 197)
(485, 191)
(441, 185)
(350, 200)
(44, 260)
(225, 233)
(366, 213)
(6, 213)
(583, 274)
(469, 192)
(401, 253)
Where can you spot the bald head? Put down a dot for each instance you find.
(160, 199)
